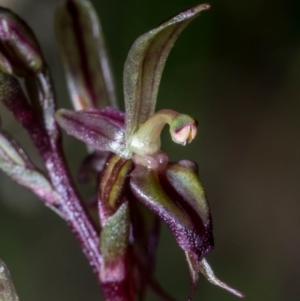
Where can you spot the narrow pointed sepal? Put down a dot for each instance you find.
(94, 129)
(7, 289)
(144, 66)
(82, 48)
(20, 51)
(208, 273)
(193, 266)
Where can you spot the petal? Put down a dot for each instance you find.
(82, 48)
(93, 129)
(147, 188)
(144, 66)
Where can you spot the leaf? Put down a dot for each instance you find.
(7, 289)
(94, 130)
(144, 66)
(82, 48)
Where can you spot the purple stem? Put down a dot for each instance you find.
(49, 147)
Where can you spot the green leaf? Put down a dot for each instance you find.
(84, 55)
(144, 66)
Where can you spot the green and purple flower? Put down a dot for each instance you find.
(137, 186)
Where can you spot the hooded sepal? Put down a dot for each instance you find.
(94, 129)
(84, 56)
(144, 66)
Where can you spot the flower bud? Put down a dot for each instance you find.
(20, 52)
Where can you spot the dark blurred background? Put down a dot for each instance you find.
(236, 69)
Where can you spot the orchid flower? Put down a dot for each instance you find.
(137, 186)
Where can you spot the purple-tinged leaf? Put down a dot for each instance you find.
(147, 188)
(94, 130)
(114, 242)
(7, 289)
(144, 66)
(82, 48)
(18, 45)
